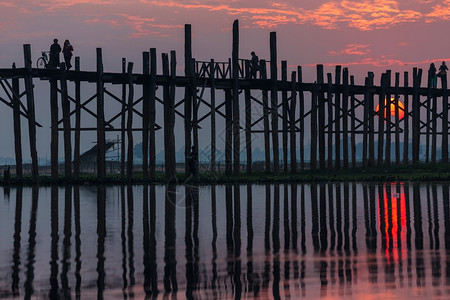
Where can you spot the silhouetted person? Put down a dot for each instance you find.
(254, 65)
(443, 71)
(433, 76)
(67, 53)
(192, 162)
(55, 49)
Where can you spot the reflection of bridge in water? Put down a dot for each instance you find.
(334, 112)
(227, 241)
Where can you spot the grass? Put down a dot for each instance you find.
(417, 172)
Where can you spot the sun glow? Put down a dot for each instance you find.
(401, 109)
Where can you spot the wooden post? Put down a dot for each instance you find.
(248, 120)
(428, 115)
(17, 126)
(235, 69)
(274, 101)
(337, 120)
(101, 138)
(381, 111)
(77, 141)
(228, 131)
(406, 121)
(152, 113)
(265, 100)
(434, 126)
(321, 116)
(213, 115)
(31, 113)
(366, 122)
(293, 142)
(371, 116)
(330, 120)
(301, 105)
(54, 127)
(130, 121)
(169, 117)
(188, 71)
(313, 127)
(397, 119)
(145, 112)
(352, 122)
(387, 114)
(65, 104)
(417, 75)
(123, 120)
(284, 106)
(345, 117)
(444, 119)
(195, 106)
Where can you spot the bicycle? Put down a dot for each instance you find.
(42, 62)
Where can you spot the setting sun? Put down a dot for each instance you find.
(401, 108)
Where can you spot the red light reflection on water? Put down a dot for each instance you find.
(393, 217)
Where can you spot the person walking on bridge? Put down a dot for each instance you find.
(67, 52)
(55, 49)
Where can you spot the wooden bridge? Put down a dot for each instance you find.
(334, 111)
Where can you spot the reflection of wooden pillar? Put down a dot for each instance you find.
(65, 104)
(76, 151)
(101, 138)
(31, 113)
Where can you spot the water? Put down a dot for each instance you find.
(331, 241)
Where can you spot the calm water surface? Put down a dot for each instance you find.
(337, 240)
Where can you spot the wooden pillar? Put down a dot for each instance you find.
(65, 104)
(235, 70)
(123, 120)
(274, 101)
(381, 111)
(313, 127)
(145, 112)
(321, 117)
(406, 121)
(169, 116)
(345, 117)
(417, 77)
(292, 122)
(371, 161)
(31, 113)
(195, 106)
(301, 105)
(228, 131)
(428, 117)
(213, 115)
(248, 120)
(366, 122)
(444, 119)
(152, 114)
(265, 100)
(101, 137)
(54, 127)
(397, 119)
(434, 126)
(188, 71)
(17, 126)
(130, 121)
(284, 106)
(330, 121)
(77, 141)
(352, 122)
(387, 114)
(337, 120)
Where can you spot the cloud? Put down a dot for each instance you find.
(352, 49)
